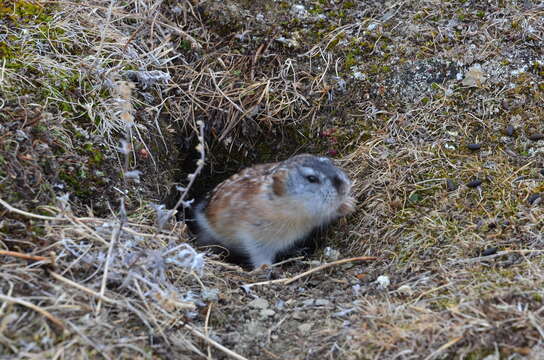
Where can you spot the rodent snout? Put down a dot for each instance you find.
(341, 184)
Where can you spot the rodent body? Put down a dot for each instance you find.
(266, 209)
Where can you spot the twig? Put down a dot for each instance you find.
(499, 254)
(206, 323)
(444, 347)
(82, 288)
(25, 256)
(214, 343)
(65, 218)
(91, 231)
(114, 237)
(536, 324)
(27, 214)
(36, 308)
(201, 147)
(288, 261)
(276, 281)
(287, 281)
(270, 353)
(326, 266)
(225, 95)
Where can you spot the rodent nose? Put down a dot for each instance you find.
(339, 184)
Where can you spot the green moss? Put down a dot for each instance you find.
(317, 9)
(76, 183)
(350, 61)
(185, 45)
(95, 156)
(285, 5)
(21, 11)
(479, 354)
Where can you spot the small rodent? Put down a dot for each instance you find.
(266, 209)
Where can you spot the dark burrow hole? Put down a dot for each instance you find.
(272, 145)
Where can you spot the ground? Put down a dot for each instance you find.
(110, 108)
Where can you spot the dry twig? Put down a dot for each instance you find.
(214, 343)
(25, 256)
(82, 288)
(287, 281)
(36, 308)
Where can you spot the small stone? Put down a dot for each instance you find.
(509, 131)
(474, 183)
(280, 304)
(298, 315)
(383, 281)
(405, 290)
(210, 294)
(451, 185)
(489, 251)
(492, 357)
(475, 76)
(533, 198)
(344, 312)
(474, 147)
(258, 303)
(536, 137)
(305, 328)
(390, 141)
(542, 172)
(331, 254)
(291, 302)
(267, 313)
(255, 328)
(322, 302)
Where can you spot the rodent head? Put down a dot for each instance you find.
(313, 182)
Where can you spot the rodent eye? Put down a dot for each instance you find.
(312, 179)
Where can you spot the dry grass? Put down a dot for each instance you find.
(102, 100)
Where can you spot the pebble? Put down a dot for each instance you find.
(344, 312)
(509, 131)
(474, 183)
(298, 315)
(489, 251)
(305, 328)
(406, 290)
(542, 172)
(474, 147)
(316, 302)
(533, 198)
(259, 303)
(451, 185)
(267, 313)
(383, 281)
(331, 254)
(536, 137)
(322, 302)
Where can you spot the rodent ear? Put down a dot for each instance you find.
(279, 184)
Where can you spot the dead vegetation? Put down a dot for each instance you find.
(434, 107)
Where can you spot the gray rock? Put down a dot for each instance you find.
(259, 303)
